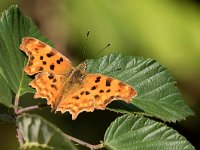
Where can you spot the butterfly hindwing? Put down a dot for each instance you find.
(48, 86)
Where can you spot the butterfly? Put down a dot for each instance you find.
(69, 88)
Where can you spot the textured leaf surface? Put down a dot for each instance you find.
(135, 132)
(5, 93)
(13, 26)
(39, 133)
(157, 94)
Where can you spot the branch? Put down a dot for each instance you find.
(22, 110)
(78, 141)
(26, 109)
(20, 138)
(16, 103)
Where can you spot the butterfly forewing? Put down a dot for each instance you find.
(43, 58)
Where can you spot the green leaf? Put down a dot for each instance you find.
(13, 27)
(7, 118)
(5, 93)
(131, 132)
(157, 95)
(39, 133)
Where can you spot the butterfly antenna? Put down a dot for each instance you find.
(103, 49)
(84, 52)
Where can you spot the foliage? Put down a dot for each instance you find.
(154, 83)
(37, 132)
(13, 27)
(138, 132)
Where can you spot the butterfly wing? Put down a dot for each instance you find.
(96, 92)
(54, 81)
(43, 58)
(48, 86)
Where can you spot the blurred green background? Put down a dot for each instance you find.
(168, 31)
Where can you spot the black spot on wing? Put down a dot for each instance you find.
(96, 96)
(87, 93)
(112, 97)
(101, 91)
(58, 61)
(54, 80)
(44, 62)
(41, 68)
(51, 76)
(75, 97)
(97, 79)
(82, 93)
(61, 59)
(108, 81)
(93, 88)
(32, 57)
(108, 91)
(41, 57)
(50, 54)
(54, 86)
(52, 67)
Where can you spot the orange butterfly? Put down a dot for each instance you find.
(67, 88)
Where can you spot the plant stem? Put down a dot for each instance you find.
(16, 103)
(20, 138)
(22, 110)
(78, 141)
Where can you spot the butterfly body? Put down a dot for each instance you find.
(67, 88)
(71, 83)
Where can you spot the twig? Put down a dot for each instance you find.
(19, 111)
(78, 141)
(20, 138)
(16, 103)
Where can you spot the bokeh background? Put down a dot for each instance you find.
(168, 31)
